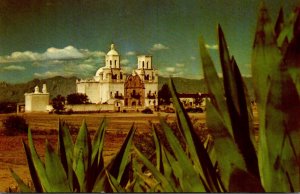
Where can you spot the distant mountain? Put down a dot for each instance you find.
(184, 85)
(56, 85)
(64, 86)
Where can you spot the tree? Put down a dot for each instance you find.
(58, 103)
(8, 107)
(164, 95)
(77, 98)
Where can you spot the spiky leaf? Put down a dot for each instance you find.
(33, 173)
(159, 177)
(23, 187)
(82, 156)
(226, 151)
(65, 150)
(214, 85)
(38, 165)
(237, 106)
(55, 171)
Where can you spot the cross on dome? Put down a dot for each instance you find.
(112, 50)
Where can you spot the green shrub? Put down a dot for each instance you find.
(14, 125)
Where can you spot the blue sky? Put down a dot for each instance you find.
(45, 38)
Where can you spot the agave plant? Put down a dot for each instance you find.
(232, 163)
(276, 49)
(275, 67)
(75, 167)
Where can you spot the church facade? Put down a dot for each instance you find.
(111, 85)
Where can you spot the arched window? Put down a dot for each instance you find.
(143, 64)
(110, 63)
(115, 63)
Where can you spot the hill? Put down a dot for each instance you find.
(64, 86)
(184, 85)
(56, 85)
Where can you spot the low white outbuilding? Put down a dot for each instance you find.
(37, 101)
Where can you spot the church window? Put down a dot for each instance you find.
(121, 76)
(110, 63)
(115, 63)
(143, 64)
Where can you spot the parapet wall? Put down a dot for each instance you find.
(91, 107)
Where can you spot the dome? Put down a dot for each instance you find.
(112, 50)
(100, 71)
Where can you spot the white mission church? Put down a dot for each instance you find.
(111, 85)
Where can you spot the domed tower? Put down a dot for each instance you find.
(112, 58)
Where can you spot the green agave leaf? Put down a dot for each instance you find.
(97, 154)
(291, 57)
(279, 24)
(197, 151)
(266, 58)
(282, 105)
(286, 32)
(214, 85)
(114, 183)
(122, 156)
(117, 165)
(65, 150)
(101, 183)
(237, 106)
(23, 187)
(152, 184)
(33, 173)
(157, 148)
(242, 181)
(38, 165)
(139, 183)
(226, 151)
(55, 171)
(159, 177)
(176, 172)
(82, 156)
(189, 173)
(98, 143)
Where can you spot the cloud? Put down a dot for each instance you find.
(212, 47)
(159, 46)
(180, 65)
(14, 68)
(170, 69)
(131, 53)
(67, 53)
(124, 62)
(86, 67)
(95, 54)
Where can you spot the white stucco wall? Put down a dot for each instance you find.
(36, 102)
(91, 89)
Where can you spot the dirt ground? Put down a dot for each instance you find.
(44, 127)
